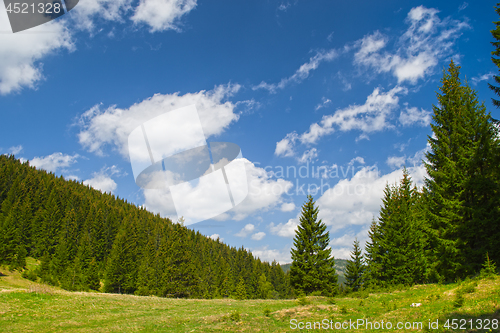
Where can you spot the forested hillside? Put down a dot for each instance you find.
(86, 239)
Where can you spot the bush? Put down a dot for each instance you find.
(30, 275)
(489, 268)
(303, 301)
(235, 316)
(459, 300)
(343, 309)
(267, 312)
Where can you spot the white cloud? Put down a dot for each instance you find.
(412, 116)
(357, 200)
(287, 207)
(87, 11)
(285, 146)
(285, 229)
(258, 236)
(426, 41)
(215, 237)
(113, 125)
(159, 201)
(15, 150)
(54, 161)
(300, 74)
(20, 53)
(396, 162)
(485, 77)
(463, 6)
(324, 102)
(357, 159)
(308, 155)
(282, 256)
(162, 15)
(264, 193)
(369, 117)
(247, 229)
(284, 6)
(101, 182)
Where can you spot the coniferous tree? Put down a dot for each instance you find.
(265, 287)
(241, 290)
(496, 57)
(81, 236)
(396, 250)
(462, 191)
(312, 268)
(355, 268)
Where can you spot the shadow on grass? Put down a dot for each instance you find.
(459, 322)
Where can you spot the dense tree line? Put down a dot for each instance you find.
(86, 239)
(447, 230)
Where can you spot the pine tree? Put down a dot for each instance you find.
(462, 191)
(355, 268)
(312, 268)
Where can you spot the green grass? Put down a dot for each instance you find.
(26, 306)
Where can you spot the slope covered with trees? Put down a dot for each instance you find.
(86, 239)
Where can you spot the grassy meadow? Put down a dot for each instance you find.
(26, 306)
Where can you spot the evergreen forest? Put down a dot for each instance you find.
(88, 240)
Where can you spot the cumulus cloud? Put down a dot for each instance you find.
(162, 15)
(285, 146)
(89, 11)
(300, 74)
(216, 236)
(427, 40)
(264, 193)
(258, 236)
(54, 161)
(285, 229)
(282, 256)
(370, 117)
(396, 162)
(247, 229)
(101, 182)
(287, 207)
(111, 127)
(413, 115)
(159, 15)
(357, 200)
(21, 53)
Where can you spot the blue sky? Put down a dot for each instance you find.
(345, 88)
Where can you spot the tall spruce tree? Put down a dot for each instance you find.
(496, 57)
(462, 192)
(312, 268)
(355, 268)
(396, 250)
